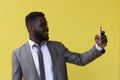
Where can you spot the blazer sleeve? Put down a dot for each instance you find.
(16, 69)
(82, 58)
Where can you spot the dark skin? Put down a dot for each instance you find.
(38, 32)
(101, 40)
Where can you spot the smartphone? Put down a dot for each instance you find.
(101, 31)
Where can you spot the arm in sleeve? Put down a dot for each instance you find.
(84, 58)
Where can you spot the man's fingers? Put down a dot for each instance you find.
(101, 40)
(97, 37)
(104, 38)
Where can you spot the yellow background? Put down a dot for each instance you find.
(73, 22)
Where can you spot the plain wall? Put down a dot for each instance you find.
(73, 22)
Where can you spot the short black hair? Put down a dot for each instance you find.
(32, 16)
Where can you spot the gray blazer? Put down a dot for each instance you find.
(23, 65)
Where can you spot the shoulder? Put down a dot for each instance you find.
(20, 48)
(55, 43)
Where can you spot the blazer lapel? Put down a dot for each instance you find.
(52, 54)
(53, 58)
(30, 59)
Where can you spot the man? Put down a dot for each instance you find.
(28, 65)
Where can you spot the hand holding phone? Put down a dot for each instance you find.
(103, 38)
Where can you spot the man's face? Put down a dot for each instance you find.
(40, 29)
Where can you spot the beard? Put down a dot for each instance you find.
(41, 36)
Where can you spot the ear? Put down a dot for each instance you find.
(30, 28)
